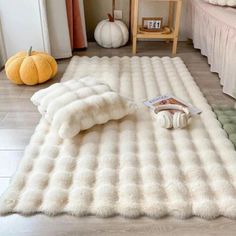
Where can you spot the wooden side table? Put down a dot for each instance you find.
(137, 33)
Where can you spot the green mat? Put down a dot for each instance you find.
(227, 117)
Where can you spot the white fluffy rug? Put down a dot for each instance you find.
(130, 167)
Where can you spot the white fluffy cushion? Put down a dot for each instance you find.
(79, 104)
(231, 3)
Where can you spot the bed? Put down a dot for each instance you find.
(213, 31)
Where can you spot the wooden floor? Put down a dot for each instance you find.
(18, 118)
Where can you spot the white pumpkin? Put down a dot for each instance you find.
(111, 33)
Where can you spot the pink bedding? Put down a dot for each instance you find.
(213, 30)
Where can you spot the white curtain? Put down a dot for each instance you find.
(58, 27)
(44, 23)
(41, 24)
(2, 49)
(23, 25)
(59, 36)
(81, 3)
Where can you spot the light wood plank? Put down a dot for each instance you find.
(4, 183)
(68, 225)
(2, 115)
(14, 139)
(12, 104)
(19, 120)
(150, 35)
(9, 161)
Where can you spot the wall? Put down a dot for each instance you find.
(96, 10)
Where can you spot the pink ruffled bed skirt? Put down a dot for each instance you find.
(213, 30)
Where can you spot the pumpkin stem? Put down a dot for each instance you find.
(30, 51)
(110, 17)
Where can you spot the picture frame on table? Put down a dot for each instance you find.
(152, 24)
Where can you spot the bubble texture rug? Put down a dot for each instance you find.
(130, 167)
(227, 117)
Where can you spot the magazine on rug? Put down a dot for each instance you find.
(170, 99)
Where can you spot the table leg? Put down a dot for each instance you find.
(177, 24)
(134, 24)
(170, 14)
(174, 48)
(134, 50)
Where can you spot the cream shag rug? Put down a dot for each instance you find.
(130, 167)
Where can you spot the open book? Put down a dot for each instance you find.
(170, 99)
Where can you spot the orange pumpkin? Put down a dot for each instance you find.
(31, 67)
